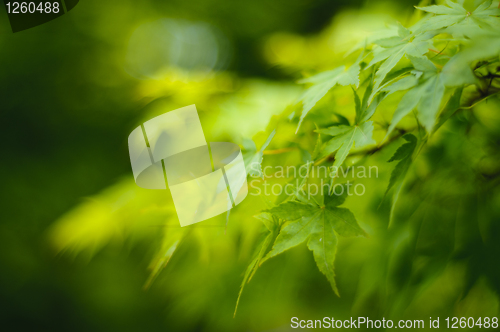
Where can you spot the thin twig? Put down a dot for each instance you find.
(369, 152)
(478, 102)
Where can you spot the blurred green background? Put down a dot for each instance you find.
(77, 236)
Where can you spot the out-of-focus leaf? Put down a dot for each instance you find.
(455, 14)
(323, 82)
(272, 225)
(405, 83)
(451, 107)
(171, 240)
(426, 96)
(253, 157)
(457, 72)
(317, 146)
(404, 155)
(122, 210)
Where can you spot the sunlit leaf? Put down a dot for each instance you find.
(455, 14)
(319, 224)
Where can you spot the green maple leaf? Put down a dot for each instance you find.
(457, 16)
(426, 97)
(345, 138)
(319, 225)
(323, 82)
(404, 155)
(392, 50)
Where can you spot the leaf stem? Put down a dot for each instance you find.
(371, 151)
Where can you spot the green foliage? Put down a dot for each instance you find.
(420, 103)
(423, 85)
(456, 16)
(391, 51)
(319, 224)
